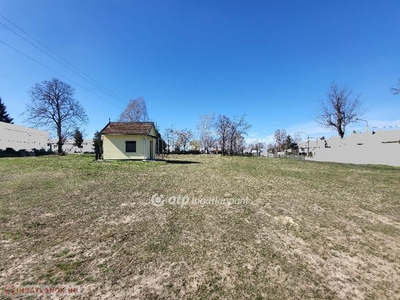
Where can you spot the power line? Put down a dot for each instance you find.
(88, 79)
(386, 127)
(96, 85)
(43, 65)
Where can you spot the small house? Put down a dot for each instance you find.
(129, 140)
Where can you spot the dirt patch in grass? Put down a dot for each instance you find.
(309, 230)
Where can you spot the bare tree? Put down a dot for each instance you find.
(271, 148)
(54, 107)
(214, 144)
(135, 111)
(169, 137)
(183, 138)
(238, 144)
(297, 137)
(396, 90)
(195, 145)
(222, 126)
(280, 139)
(238, 127)
(257, 145)
(284, 141)
(339, 109)
(204, 126)
(230, 133)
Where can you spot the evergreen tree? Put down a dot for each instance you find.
(97, 144)
(4, 117)
(78, 137)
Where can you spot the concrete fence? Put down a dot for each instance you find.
(21, 137)
(382, 147)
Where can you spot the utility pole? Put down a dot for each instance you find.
(308, 142)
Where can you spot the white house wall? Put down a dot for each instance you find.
(114, 146)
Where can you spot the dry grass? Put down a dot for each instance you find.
(310, 230)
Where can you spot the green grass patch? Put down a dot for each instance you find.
(309, 229)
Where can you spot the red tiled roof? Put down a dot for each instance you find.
(128, 128)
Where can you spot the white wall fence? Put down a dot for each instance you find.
(383, 147)
(385, 154)
(21, 137)
(25, 138)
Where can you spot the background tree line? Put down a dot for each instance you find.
(222, 135)
(4, 117)
(53, 107)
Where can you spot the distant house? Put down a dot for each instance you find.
(69, 146)
(253, 151)
(129, 140)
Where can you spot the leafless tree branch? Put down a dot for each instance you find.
(339, 109)
(54, 107)
(396, 90)
(135, 111)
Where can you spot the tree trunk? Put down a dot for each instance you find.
(60, 139)
(340, 131)
(59, 144)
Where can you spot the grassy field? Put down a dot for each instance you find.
(308, 231)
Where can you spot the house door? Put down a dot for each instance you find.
(151, 150)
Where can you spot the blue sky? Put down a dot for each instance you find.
(270, 60)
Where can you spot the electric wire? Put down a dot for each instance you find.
(88, 79)
(59, 74)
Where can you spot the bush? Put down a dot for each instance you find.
(22, 152)
(42, 152)
(3, 153)
(248, 154)
(194, 152)
(10, 152)
(186, 152)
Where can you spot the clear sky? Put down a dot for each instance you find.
(270, 60)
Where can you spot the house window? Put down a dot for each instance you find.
(130, 146)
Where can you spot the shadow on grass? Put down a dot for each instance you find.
(181, 162)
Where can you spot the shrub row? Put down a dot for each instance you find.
(10, 152)
(185, 152)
